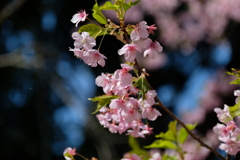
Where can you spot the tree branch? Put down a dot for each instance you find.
(10, 9)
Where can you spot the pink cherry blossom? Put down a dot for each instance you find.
(231, 148)
(131, 115)
(77, 52)
(132, 157)
(223, 115)
(140, 31)
(221, 130)
(235, 135)
(150, 113)
(130, 51)
(83, 40)
(106, 82)
(237, 93)
(155, 154)
(78, 17)
(71, 153)
(150, 95)
(94, 57)
(151, 29)
(153, 48)
(135, 133)
(119, 104)
(123, 75)
(113, 128)
(147, 130)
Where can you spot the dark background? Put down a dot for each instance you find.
(44, 88)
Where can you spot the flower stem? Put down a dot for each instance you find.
(82, 156)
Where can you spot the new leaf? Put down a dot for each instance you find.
(103, 101)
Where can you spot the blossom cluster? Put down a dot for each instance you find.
(141, 30)
(185, 23)
(126, 112)
(83, 49)
(228, 132)
(83, 44)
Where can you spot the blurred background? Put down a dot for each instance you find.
(44, 89)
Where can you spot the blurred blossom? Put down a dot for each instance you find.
(185, 23)
(194, 151)
(153, 64)
(133, 15)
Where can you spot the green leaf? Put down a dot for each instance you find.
(168, 157)
(235, 81)
(235, 73)
(136, 147)
(68, 155)
(109, 6)
(142, 84)
(235, 110)
(95, 7)
(173, 126)
(128, 5)
(98, 15)
(160, 143)
(169, 135)
(182, 133)
(93, 29)
(134, 3)
(103, 101)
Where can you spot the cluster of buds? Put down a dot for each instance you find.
(228, 132)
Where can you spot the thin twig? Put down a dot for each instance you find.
(10, 9)
(182, 124)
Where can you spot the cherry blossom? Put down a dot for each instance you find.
(155, 154)
(132, 157)
(140, 31)
(71, 152)
(237, 93)
(150, 113)
(77, 52)
(153, 48)
(130, 51)
(106, 82)
(93, 57)
(78, 17)
(151, 29)
(231, 147)
(223, 115)
(228, 132)
(83, 40)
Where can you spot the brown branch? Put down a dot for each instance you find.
(181, 123)
(173, 116)
(10, 9)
